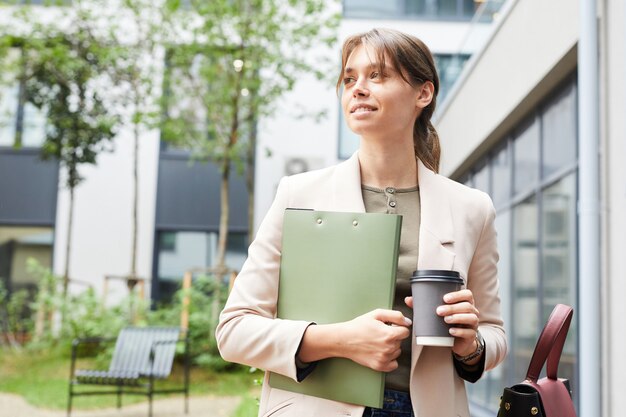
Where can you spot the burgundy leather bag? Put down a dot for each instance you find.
(549, 396)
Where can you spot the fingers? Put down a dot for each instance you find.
(408, 301)
(400, 333)
(460, 308)
(462, 320)
(375, 339)
(459, 296)
(458, 302)
(460, 312)
(463, 333)
(391, 317)
(386, 361)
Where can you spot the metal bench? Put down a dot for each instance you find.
(142, 355)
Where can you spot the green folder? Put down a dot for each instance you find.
(334, 267)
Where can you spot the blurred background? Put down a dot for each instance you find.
(142, 142)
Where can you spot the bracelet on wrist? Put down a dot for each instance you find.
(480, 348)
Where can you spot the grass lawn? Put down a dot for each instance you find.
(42, 379)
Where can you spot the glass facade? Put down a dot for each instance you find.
(449, 68)
(532, 177)
(180, 251)
(21, 123)
(411, 9)
(17, 245)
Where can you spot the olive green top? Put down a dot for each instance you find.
(404, 201)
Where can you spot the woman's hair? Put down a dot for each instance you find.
(414, 61)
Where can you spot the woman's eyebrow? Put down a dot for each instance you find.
(372, 65)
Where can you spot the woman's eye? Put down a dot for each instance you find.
(348, 80)
(375, 74)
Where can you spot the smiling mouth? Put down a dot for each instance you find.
(362, 109)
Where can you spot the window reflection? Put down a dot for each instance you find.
(526, 158)
(21, 124)
(430, 9)
(481, 179)
(449, 69)
(179, 252)
(17, 245)
(537, 236)
(486, 392)
(559, 132)
(33, 126)
(501, 176)
(525, 283)
(8, 114)
(559, 259)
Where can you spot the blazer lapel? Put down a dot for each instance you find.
(435, 238)
(346, 192)
(436, 230)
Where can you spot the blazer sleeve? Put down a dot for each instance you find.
(248, 331)
(483, 282)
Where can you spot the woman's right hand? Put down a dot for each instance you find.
(372, 339)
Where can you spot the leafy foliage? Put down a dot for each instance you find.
(87, 316)
(62, 69)
(203, 347)
(15, 322)
(241, 58)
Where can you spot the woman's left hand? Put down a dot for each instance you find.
(460, 312)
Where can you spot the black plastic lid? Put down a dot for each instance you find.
(436, 275)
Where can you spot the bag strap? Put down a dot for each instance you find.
(550, 344)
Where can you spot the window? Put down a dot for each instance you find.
(17, 245)
(449, 68)
(501, 175)
(559, 132)
(526, 157)
(402, 9)
(21, 123)
(180, 251)
(532, 181)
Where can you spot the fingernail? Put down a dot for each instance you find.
(453, 331)
(441, 310)
(447, 298)
(408, 321)
(447, 319)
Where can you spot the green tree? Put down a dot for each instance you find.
(64, 68)
(240, 58)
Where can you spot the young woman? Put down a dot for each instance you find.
(389, 87)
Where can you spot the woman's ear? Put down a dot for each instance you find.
(426, 94)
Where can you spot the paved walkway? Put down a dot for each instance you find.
(199, 406)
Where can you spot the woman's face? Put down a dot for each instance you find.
(375, 104)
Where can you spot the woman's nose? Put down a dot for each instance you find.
(360, 89)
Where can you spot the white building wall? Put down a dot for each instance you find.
(286, 136)
(101, 236)
(501, 81)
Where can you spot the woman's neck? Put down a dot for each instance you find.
(388, 166)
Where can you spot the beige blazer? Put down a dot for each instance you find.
(456, 233)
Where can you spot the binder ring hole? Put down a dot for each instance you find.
(355, 223)
(319, 221)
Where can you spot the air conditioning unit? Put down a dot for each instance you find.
(296, 164)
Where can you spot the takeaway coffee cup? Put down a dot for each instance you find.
(428, 288)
